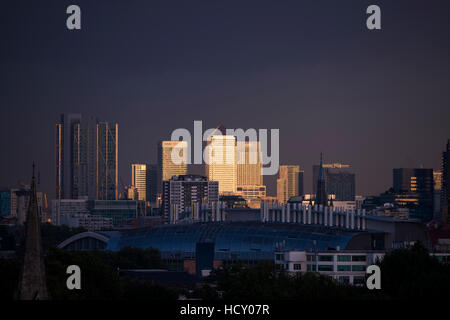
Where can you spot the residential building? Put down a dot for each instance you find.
(186, 190)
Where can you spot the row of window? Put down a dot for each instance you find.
(340, 258)
(330, 267)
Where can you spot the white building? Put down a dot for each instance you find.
(345, 266)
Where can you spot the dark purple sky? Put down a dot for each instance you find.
(374, 99)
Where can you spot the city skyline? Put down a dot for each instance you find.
(374, 100)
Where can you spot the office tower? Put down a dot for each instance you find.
(86, 159)
(437, 181)
(221, 162)
(168, 166)
(413, 188)
(64, 154)
(249, 178)
(321, 193)
(445, 189)
(287, 183)
(183, 191)
(249, 163)
(32, 283)
(301, 190)
(107, 161)
(143, 179)
(5, 202)
(338, 180)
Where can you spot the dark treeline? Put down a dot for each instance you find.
(405, 274)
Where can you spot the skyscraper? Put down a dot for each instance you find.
(413, 188)
(249, 163)
(301, 189)
(287, 183)
(107, 160)
(445, 189)
(321, 193)
(338, 180)
(221, 161)
(86, 159)
(64, 156)
(168, 166)
(143, 178)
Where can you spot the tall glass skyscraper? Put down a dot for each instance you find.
(86, 158)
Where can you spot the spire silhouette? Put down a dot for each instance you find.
(32, 283)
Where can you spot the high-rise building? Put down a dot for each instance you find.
(65, 134)
(339, 181)
(301, 189)
(321, 193)
(171, 160)
(437, 180)
(445, 190)
(221, 162)
(86, 158)
(287, 183)
(183, 191)
(107, 161)
(249, 163)
(143, 178)
(413, 188)
(249, 177)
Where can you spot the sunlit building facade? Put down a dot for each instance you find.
(221, 162)
(169, 166)
(287, 183)
(143, 179)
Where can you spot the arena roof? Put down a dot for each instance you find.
(232, 241)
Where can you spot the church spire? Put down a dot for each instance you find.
(32, 283)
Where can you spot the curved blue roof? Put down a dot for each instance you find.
(252, 241)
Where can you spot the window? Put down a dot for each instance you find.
(325, 258)
(297, 266)
(310, 258)
(279, 257)
(343, 268)
(358, 268)
(310, 267)
(359, 258)
(344, 258)
(326, 267)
